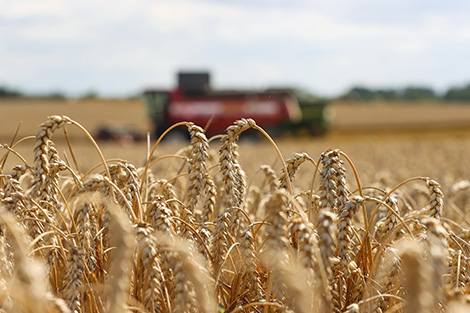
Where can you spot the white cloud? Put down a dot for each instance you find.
(324, 45)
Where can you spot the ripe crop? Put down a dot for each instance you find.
(205, 237)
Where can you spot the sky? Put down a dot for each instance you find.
(121, 47)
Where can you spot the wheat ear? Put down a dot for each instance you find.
(277, 221)
(42, 153)
(419, 297)
(289, 284)
(326, 242)
(210, 199)
(387, 224)
(249, 268)
(292, 166)
(14, 198)
(147, 273)
(192, 287)
(29, 286)
(387, 279)
(233, 177)
(124, 176)
(271, 179)
(168, 192)
(73, 280)
(117, 284)
(85, 223)
(220, 240)
(438, 254)
(328, 182)
(308, 252)
(197, 165)
(437, 198)
(344, 233)
(160, 217)
(458, 279)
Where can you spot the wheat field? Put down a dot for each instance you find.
(219, 224)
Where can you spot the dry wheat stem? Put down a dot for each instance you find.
(19, 156)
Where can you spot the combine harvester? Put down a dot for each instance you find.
(278, 111)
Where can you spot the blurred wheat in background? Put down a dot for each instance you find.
(204, 235)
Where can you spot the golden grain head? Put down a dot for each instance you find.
(190, 232)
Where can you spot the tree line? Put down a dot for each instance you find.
(460, 93)
(7, 92)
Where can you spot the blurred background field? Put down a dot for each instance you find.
(390, 141)
(348, 118)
